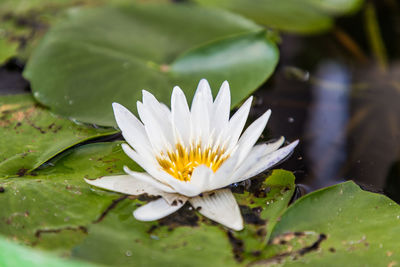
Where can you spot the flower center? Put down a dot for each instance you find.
(182, 162)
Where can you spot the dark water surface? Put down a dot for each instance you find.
(341, 98)
(335, 92)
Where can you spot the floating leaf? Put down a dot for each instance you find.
(300, 16)
(31, 135)
(24, 22)
(56, 200)
(340, 225)
(105, 55)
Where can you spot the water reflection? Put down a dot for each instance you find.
(326, 124)
(346, 114)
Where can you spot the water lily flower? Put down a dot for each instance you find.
(192, 155)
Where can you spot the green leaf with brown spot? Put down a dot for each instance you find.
(56, 202)
(31, 135)
(340, 225)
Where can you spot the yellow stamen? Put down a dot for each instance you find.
(182, 162)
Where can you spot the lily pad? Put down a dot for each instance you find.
(337, 226)
(31, 135)
(299, 16)
(24, 22)
(104, 55)
(57, 200)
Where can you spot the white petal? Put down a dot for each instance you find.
(256, 153)
(149, 179)
(200, 113)
(154, 130)
(160, 111)
(201, 178)
(220, 206)
(145, 163)
(221, 109)
(223, 176)
(125, 184)
(180, 115)
(237, 122)
(155, 210)
(132, 130)
(251, 135)
(156, 115)
(204, 91)
(272, 146)
(259, 165)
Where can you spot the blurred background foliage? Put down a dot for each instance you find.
(23, 22)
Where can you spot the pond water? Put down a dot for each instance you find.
(342, 100)
(336, 93)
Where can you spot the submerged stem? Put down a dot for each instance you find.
(375, 37)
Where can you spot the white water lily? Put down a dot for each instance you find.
(192, 154)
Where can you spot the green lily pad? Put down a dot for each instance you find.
(299, 16)
(56, 201)
(340, 225)
(31, 135)
(16, 255)
(24, 22)
(105, 55)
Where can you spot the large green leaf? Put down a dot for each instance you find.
(105, 55)
(338, 226)
(31, 135)
(24, 22)
(56, 200)
(300, 16)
